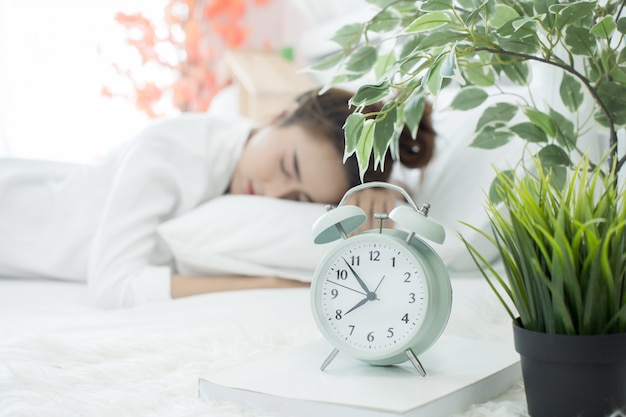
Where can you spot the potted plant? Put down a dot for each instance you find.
(560, 227)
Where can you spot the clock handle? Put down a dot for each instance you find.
(414, 218)
(380, 184)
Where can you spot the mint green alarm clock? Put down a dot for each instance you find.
(384, 295)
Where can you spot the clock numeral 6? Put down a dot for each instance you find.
(370, 337)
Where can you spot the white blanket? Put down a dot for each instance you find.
(60, 357)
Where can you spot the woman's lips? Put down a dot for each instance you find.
(250, 189)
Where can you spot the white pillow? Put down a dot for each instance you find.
(248, 235)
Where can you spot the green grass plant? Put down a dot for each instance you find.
(563, 250)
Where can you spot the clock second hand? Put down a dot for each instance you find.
(346, 287)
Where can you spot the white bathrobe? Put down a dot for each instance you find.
(99, 222)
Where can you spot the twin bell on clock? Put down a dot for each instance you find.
(382, 296)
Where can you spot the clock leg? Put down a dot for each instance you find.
(416, 362)
(329, 358)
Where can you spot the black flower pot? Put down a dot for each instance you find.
(572, 376)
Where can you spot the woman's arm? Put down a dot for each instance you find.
(184, 285)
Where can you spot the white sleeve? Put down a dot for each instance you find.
(125, 267)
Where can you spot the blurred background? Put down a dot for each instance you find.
(78, 77)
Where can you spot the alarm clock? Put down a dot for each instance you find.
(382, 296)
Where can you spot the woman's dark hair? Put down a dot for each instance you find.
(325, 115)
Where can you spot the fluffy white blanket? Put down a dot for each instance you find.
(60, 359)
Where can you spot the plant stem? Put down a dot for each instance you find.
(612, 132)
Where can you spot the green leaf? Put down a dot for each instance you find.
(542, 7)
(522, 22)
(571, 92)
(523, 43)
(384, 63)
(499, 112)
(604, 28)
(413, 111)
(565, 131)
(503, 15)
(352, 132)
(436, 5)
(529, 132)
(502, 180)
(552, 155)
(490, 138)
(428, 21)
(450, 69)
(518, 72)
(621, 25)
(433, 77)
(370, 93)
(613, 95)
(362, 60)
(384, 131)
(328, 62)
(383, 22)
(580, 41)
(482, 76)
(542, 120)
(381, 3)
(364, 146)
(469, 98)
(577, 13)
(349, 35)
(441, 38)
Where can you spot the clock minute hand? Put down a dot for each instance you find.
(358, 278)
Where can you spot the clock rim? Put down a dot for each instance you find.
(425, 336)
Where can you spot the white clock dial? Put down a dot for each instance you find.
(372, 296)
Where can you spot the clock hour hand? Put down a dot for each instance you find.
(357, 305)
(358, 278)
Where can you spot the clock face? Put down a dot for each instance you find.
(371, 296)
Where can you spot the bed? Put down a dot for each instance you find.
(59, 356)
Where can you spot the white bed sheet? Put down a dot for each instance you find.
(61, 357)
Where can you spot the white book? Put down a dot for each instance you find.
(460, 372)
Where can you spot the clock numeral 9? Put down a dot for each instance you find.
(334, 292)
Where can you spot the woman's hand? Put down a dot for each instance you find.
(372, 201)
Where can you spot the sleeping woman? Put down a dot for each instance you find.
(100, 221)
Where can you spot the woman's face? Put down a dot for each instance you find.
(288, 162)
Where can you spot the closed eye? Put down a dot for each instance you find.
(283, 168)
